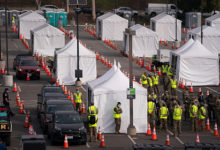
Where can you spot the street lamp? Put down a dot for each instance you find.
(131, 128)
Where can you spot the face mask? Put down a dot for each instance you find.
(119, 105)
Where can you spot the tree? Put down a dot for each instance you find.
(38, 3)
(93, 10)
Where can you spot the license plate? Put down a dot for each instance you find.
(69, 137)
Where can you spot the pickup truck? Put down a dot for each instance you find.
(5, 126)
(122, 11)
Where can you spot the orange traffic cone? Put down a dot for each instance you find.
(139, 63)
(2, 69)
(140, 81)
(15, 88)
(142, 64)
(207, 92)
(180, 83)
(83, 109)
(185, 40)
(65, 91)
(215, 130)
(154, 135)
(28, 77)
(164, 43)
(149, 66)
(57, 82)
(21, 110)
(191, 88)
(99, 136)
(30, 132)
(200, 90)
(161, 41)
(20, 37)
(167, 140)
(155, 70)
(197, 138)
(207, 125)
(19, 102)
(63, 87)
(26, 123)
(173, 46)
(106, 62)
(148, 129)
(102, 144)
(159, 72)
(109, 64)
(184, 30)
(17, 96)
(69, 96)
(52, 78)
(66, 145)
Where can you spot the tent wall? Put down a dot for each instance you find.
(107, 101)
(199, 71)
(66, 66)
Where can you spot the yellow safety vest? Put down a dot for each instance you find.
(13, 20)
(155, 96)
(164, 69)
(150, 107)
(143, 79)
(93, 125)
(177, 113)
(169, 71)
(150, 81)
(115, 113)
(78, 97)
(155, 80)
(202, 111)
(93, 108)
(163, 112)
(173, 83)
(194, 111)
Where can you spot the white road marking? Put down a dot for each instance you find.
(131, 139)
(213, 90)
(87, 145)
(178, 139)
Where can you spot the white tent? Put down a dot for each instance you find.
(106, 92)
(164, 25)
(28, 21)
(211, 37)
(197, 65)
(144, 43)
(45, 38)
(213, 21)
(66, 63)
(111, 27)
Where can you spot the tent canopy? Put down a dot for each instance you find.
(106, 92)
(144, 43)
(107, 27)
(66, 63)
(164, 25)
(46, 38)
(213, 21)
(198, 65)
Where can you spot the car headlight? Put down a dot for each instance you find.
(19, 69)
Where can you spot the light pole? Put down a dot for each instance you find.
(131, 128)
(177, 44)
(6, 34)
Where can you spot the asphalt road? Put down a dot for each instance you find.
(30, 89)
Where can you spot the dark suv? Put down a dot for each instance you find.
(52, 106)
(18, 58)
(67, 123)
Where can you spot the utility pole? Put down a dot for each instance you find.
(131, 128)
(6, 34)
(93, 10)
(67, 6)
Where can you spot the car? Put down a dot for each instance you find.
(47, 96)
(52, 106)
(51, 89)
(122, 11)
(18, 58)
(88, 10)
(51, 8)
(28, 67)
(67, 123)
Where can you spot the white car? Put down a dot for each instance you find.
(51, 8)
(126, 10)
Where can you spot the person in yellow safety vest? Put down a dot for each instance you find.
(169, 71)
(92, 117)
(155, 79)
(177, 116)
(193, 112)
(117, 115)
(144, 80)
(164, 69)
(202, 116)
(150, 84)
(173, 83)
(92, 108)
(13, 20)
(78, 100)
(163, 114)
(151, 109)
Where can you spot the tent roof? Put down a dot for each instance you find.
(207, 31)
(25, 14)
(70, 49)
(199, 51)
(111, 17)
(112, 84)
(163, 17)
(185, 46)
(32, 16)
(215, 17)
(46, 29)
(141, 30)
(105, 15)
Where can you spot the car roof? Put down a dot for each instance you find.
(59, 101)
(23, 55)
(67, 112)
(27, 58)
(51, 87)
(50, 94)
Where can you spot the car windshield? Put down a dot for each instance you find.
(53, 108)
(67, 118)
(52, 90)
(28, 63)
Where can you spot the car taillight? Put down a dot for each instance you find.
(20, 69)
(38, 69)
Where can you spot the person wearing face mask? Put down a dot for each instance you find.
(117, 115)
(78, 100)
